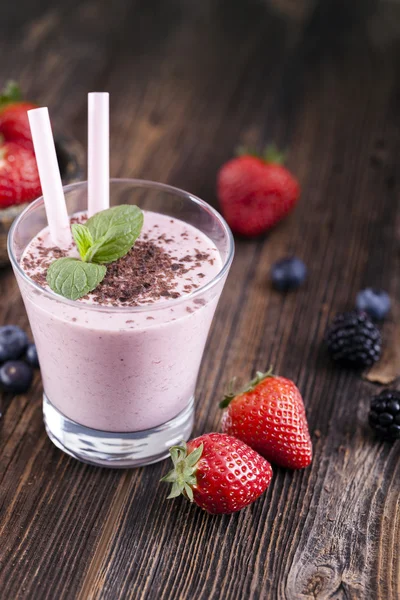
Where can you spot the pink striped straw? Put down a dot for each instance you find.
(50, 178)
(98, 152)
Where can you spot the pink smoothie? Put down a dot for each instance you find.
(129, 364)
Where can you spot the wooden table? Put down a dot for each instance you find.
(189, 81)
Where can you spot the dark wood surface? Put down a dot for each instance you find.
(188, 81)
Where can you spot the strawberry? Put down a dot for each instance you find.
(256, 192)
(14, 124)
(269, 416)
(218, 472)
(19, 177)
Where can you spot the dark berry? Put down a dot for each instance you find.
(288, 274)
(374, 302)
(384, 415)
(13, 342)
(16, 376)
(353, 340)
(31, 356)
(3, 353)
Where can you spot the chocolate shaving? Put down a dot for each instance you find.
(199, 301)
(145, 274)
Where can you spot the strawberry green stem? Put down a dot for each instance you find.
(183, 475)
(273, 155)
(270, 155)
(231, 394)
(11, 93)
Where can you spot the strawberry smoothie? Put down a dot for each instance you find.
(131, 364)
(119, 365)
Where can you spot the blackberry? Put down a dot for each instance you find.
(353, 340)
(384, 415)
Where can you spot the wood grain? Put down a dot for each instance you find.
(387, 370)
(188, 81)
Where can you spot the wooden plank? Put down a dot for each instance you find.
(188, 82)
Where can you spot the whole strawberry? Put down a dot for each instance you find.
(255, 192)
(269, 416)
(218, 472)
(19, 177)
(14, 124)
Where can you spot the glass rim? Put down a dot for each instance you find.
(128, 309)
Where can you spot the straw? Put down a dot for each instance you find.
(98, 152)
(50, 178)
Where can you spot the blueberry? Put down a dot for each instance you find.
(288, 274)
(374, 302)
(16, 376)
(31, 356)
(13, 342)
(3, 353)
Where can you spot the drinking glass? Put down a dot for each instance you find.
(119, 382)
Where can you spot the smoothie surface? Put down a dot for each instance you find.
(169, 260)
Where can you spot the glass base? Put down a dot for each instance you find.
(116, 450)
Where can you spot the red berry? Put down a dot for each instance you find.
(19, 177)
(255, 193)
(219, 473)
(14, 124)
(269, 416)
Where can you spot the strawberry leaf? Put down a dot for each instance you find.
(176, 491)
(194, 456)
(259, 377)
(231, 393)
(189, 492)
(10, 94)
(247, 151)
(183, 476)
(273, 155)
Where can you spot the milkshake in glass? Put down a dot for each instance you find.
(120, 365)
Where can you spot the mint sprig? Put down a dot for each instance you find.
(83, 239)
(73, 278)
(106, 237)
(114, 232)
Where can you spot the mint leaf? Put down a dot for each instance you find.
(114, 232)
(105, 237)
(83, 238)
(72, 278)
